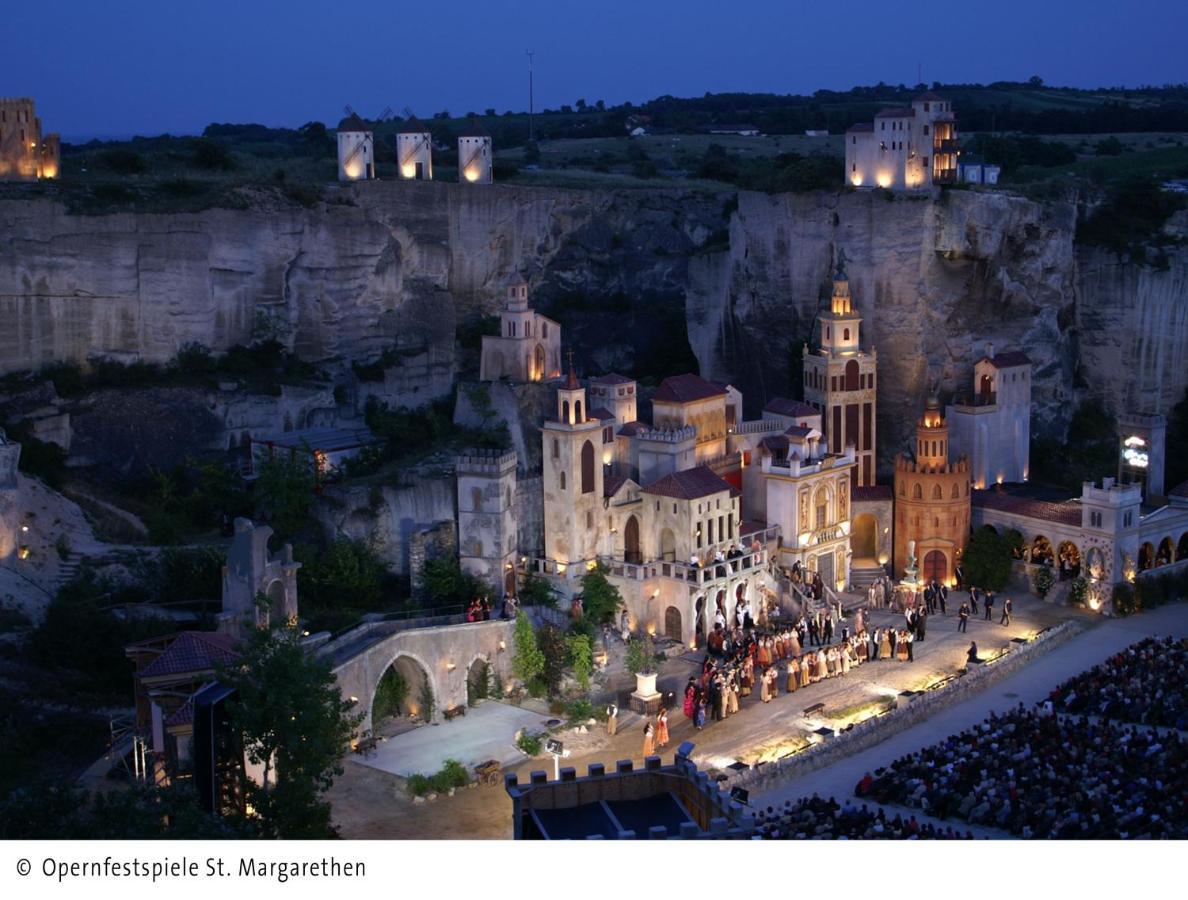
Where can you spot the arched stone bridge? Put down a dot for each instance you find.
(441, 655)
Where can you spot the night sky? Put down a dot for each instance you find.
(131, 66)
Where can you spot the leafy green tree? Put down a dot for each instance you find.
(581, 659)
(536, 591)
(294, 722)
(600, 599)
(641, 655)
(527, 662)
(554, 647)
(987, 560)
(347, 572)
(285, 490)
(447, 585)
(1042, 581)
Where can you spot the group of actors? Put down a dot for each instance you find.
(742, 660)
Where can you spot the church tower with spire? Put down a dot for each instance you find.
(573, 477)
(839, 379)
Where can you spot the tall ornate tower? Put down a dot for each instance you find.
(487, 516)
(931, 500)
(839, 380)
(572, 477)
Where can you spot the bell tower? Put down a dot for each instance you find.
(572, 476)
(839, 379)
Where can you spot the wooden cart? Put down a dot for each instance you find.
(488, 772)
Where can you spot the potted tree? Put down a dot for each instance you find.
(641, 662)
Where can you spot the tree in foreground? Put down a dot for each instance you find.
(600, 599)
(527, 662)
(295, 724)
(987, 559)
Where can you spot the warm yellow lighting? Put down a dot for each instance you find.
(354, 699)
(999, 479)
(856, 180)
(655, 593)
(24, 528)
(503, 645)
(451, 666)
(651, 630)
(408, 170)
(884, 181)
(471, 173)
(23, 553)
(591, 565)
(305, 634)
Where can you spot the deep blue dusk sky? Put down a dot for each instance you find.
(131, 66)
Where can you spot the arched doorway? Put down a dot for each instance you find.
(1041, 551)
(862, 540)
(1146, 557)
(403, 690)
(1070, 560)
(509, 582)
(668, 545)
(631, 551)
(1182, 547)
(276, 602)
(852, 377)
(936, 566)
(699, 622)
(1166, 554)
(986, 390)
(672, 623)
(478, 679)
(1095, 563)
(538, 367)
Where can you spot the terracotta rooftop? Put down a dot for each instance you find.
(781, 406)
(1008, 360)
(870, 492)
(861, 126)
(1067, 512)
(601, 413)
(611, 378)
(193, 651)
(571, 380)
(412, 125)
(686, 388)
(777, 444)
(611, 485)
(631, 429)
(353, 123)
(689, 484)
(801, 432)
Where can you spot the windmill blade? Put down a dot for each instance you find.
(359, 148)
(385, 115)
(347, 109)
(408, 113)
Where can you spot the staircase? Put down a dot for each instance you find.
(68, 568)
(862, 577)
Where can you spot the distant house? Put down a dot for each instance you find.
(975, 171)
(740, 129)
(817, 132)
(325, 448)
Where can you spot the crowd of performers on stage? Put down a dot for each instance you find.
(744, 659)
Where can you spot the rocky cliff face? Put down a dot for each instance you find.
(650, 282)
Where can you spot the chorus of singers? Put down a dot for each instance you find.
(743, 660)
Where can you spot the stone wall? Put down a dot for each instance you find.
(435, 542)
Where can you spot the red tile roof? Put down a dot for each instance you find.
(193, 651)
(689, 484)
(353, 123)
(686, 388)
(611, 378)
(870, 492)
(1008, 360)
(781, 406)
(571, 380)
(413, 126)
(611, 485)
(631, 429)
(1067, 512)
(799, 431)
(775, 444)
(601, 413)
(861, 126)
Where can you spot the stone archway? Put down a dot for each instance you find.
(539, 364)
(936, 566)
(631, 551)
(401, 689)
(1182, 547)
(863, 543)
(1146, 557)
(1166, 554)
(672, 624)
(478, 676)
(1095, 563)
(1069, 560)
(1041, 551)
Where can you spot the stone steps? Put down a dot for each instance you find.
(862, 577)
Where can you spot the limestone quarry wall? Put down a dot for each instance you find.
(730, 282)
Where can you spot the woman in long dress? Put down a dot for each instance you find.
(662, 729)
(805, 675)
(690, 706)
(790, 683)
(699, 715)
(885, 645)
(822, 665)
(649, 747)
(793, 644)
(901, 647)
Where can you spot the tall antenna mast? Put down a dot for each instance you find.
(531, 131)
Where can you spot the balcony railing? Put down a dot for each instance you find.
(945, 176)
(946, 145)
